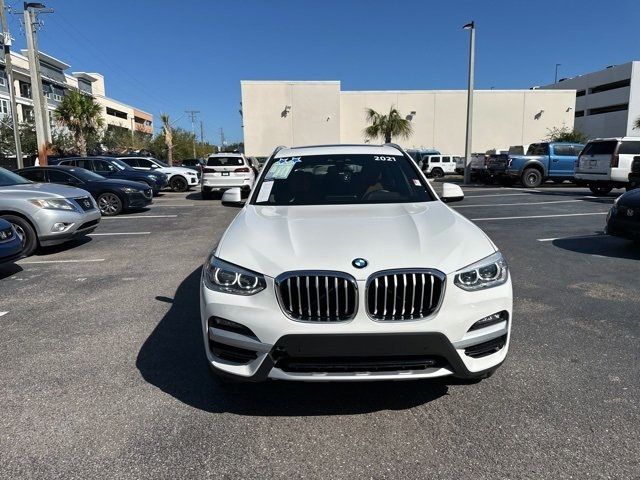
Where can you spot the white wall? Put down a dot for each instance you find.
(320, 114)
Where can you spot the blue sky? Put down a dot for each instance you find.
(171, 56)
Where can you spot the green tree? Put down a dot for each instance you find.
(81, 114)
(387, 126)
(564, 134)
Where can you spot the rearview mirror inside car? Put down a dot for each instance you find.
(451, 193)
(232, 197)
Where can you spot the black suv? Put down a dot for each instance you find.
(113, 168)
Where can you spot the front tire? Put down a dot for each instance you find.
(600, 190)
(178, 184)
(531, 178)
(437, 173)
(25, 232)
(109, 204)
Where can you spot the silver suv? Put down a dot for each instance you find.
(45, 214)
(226, 170)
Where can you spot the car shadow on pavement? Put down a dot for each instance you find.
(602, 245)
(9, 269)
(172, 358)
(63, 247)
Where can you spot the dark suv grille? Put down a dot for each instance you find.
(318, 296)
(85, 203)
(404, 294)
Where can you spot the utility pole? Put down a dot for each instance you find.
(192, 114)
(201, 133)
(221, 139)
(467, 150)
(6, 41)
(43, 132)
(556, 78)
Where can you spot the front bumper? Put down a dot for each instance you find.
(210, 182)
(138, 199)
(358, 349)
(10, 250)
(619, 224)
(79, 224)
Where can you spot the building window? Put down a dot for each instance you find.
(581, 93)
(609, 109)
(579, 113)
(116, 113)
(25, 90)
(3, 79)
(4, 107)
(610, 86)
(27, 114)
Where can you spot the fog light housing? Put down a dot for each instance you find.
(230, 326)
(60, 227)
(490, 320)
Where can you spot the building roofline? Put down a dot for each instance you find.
(84, 76)
(410, 92)
(50, 60)
(264, 82)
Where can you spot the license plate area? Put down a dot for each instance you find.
(225, 174)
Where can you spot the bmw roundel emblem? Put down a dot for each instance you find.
(359, 263)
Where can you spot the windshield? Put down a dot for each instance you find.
(341, 179)
(120, 164)
(85, 175)
(8, 178)
(160, 162)
(224, 161)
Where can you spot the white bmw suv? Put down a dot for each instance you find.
(226, 170)
(181, 179)
(344, 264)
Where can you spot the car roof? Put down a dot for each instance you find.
(345, 149)
(616, 139)
(230, 154)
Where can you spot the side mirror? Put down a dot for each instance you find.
(451, 193)
(154, 166)
(232, 197)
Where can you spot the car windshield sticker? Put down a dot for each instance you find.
(416, 182)
(281, 169)
(265, 191)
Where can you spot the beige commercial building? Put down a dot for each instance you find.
(319, 112)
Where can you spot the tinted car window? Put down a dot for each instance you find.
(341, 179)
(86, 164)
(102, 166)
(132, 162)
(629, 148)
(56, 176)
(600, 148)
(446, 159)
(564, 150)
(35, 175)
(224, 161)
(434, 160)
(9, 178)
(538, 149)
(144, 163)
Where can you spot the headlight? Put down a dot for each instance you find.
(129, 190)
(226, 277)
(52, 203)
(488, 272)
(152, 177)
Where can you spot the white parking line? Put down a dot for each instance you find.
(539, 216)
(498, 195)
(127, 217)
(158, 204)
(514, 204)
(571, 237)
(2, 314)
(118, 233)
(89, 260)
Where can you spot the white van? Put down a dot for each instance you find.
(437, 166)
(605, 163)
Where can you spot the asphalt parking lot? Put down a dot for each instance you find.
(103, 372)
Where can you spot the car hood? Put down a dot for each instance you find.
(275, 239)
(630, 199)
(41, 190)
(175, 170)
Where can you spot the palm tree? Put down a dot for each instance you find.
(168, 136)
(387, 126)
(82, 115)
(636, 124)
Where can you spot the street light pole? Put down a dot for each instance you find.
(556, 77)
(467, 150)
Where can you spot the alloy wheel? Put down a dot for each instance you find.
(109, 204)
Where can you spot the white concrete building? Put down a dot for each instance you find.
(318, 112)
(607, 101)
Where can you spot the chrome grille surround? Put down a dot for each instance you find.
(317, 296)
(404, 294)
